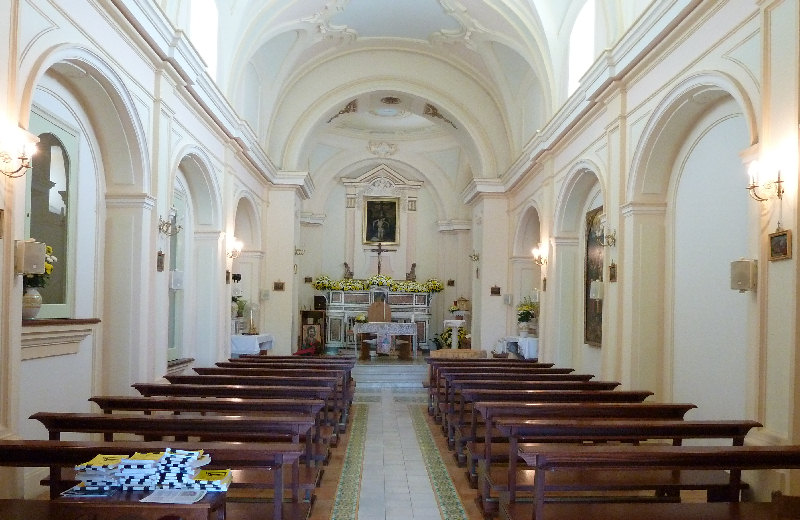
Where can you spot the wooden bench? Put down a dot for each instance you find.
(204, 405)
(336, 401)
(237, 391)
(268, 428)
(345, 386)
(437, 384)
(436, 365)
(479, 438)
(507, 479)
(455, 386)
(548, 461)
(65, 455)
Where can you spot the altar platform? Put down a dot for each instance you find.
(389, 372)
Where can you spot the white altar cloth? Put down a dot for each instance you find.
(527, 347)
(250, 343)
(392, 328)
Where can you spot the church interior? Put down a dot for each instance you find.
(605, 185)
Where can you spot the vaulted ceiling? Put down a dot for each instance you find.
(448, 90)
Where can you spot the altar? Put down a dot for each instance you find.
(411, 314)
(390, 328)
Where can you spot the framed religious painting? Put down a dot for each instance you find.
(381, 216)
(780, 245)
(593, 279)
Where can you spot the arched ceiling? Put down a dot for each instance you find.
(452, 88)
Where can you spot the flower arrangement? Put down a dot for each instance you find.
(40, 280)
(445, 338)
(325, 283)
(527, 310)
(241, 305)
(361, 318)
(453, 308)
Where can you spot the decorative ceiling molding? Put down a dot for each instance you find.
(348, 109)
(471, 32)
(432, 111)
(382, 149)
(321, 22)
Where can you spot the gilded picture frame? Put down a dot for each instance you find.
(780, 245)
(381, 219)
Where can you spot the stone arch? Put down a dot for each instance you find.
(649, 228)
(124, 208)
(204, 250)
(583, 183)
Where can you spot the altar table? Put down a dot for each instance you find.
(250, 343)
(392, 328)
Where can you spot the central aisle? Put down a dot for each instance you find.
(394, 482)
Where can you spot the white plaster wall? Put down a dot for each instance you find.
(710, 319)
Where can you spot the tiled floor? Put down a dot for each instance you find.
(394, 483)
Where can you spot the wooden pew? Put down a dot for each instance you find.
(437, 383)
(345, 385)
(237, 391)
(336, 401)
(549, 461)
(508, 479)
(455, 386)
(266, 428)
(313, 407)
(436, 365)
(57, 455)
(479, 439)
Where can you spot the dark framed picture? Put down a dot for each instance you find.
(278, 286)
(593, 276)
(780, 245)
(494, 290)
(381, 215)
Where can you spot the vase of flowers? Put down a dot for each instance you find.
(526, 313)
(32, 282)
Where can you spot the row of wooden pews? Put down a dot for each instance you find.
(540, 442)
(273, 420)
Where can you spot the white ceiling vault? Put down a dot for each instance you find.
(448, 90)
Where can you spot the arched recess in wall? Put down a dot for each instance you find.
(526, 275)
(248, 264)
(683, 246)
(114, 154)
(204, 325)
(566, 298)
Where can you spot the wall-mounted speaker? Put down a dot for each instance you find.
(29, 257)
(744, 275)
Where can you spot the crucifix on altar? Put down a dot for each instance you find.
(379, 250)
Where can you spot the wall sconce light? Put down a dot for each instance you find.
(299, 252)
(16, 150)
(609, 239)
(168, 227)
(235, 248)
(474, 256)
(538, 256)
(764, 191)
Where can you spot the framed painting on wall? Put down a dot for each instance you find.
(780, 245)
(381, 215)
(593, 279)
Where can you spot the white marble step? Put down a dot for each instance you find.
(389, 374)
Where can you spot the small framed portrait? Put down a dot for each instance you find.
(780, 245)
(380, 220)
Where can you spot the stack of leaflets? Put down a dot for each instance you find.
(211, 480)
(139, 472)
(98, 474)
(177, 467)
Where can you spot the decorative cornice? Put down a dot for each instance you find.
(297, 179)
(451, 225)
(482, 187)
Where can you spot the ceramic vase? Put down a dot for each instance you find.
(31, 303)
